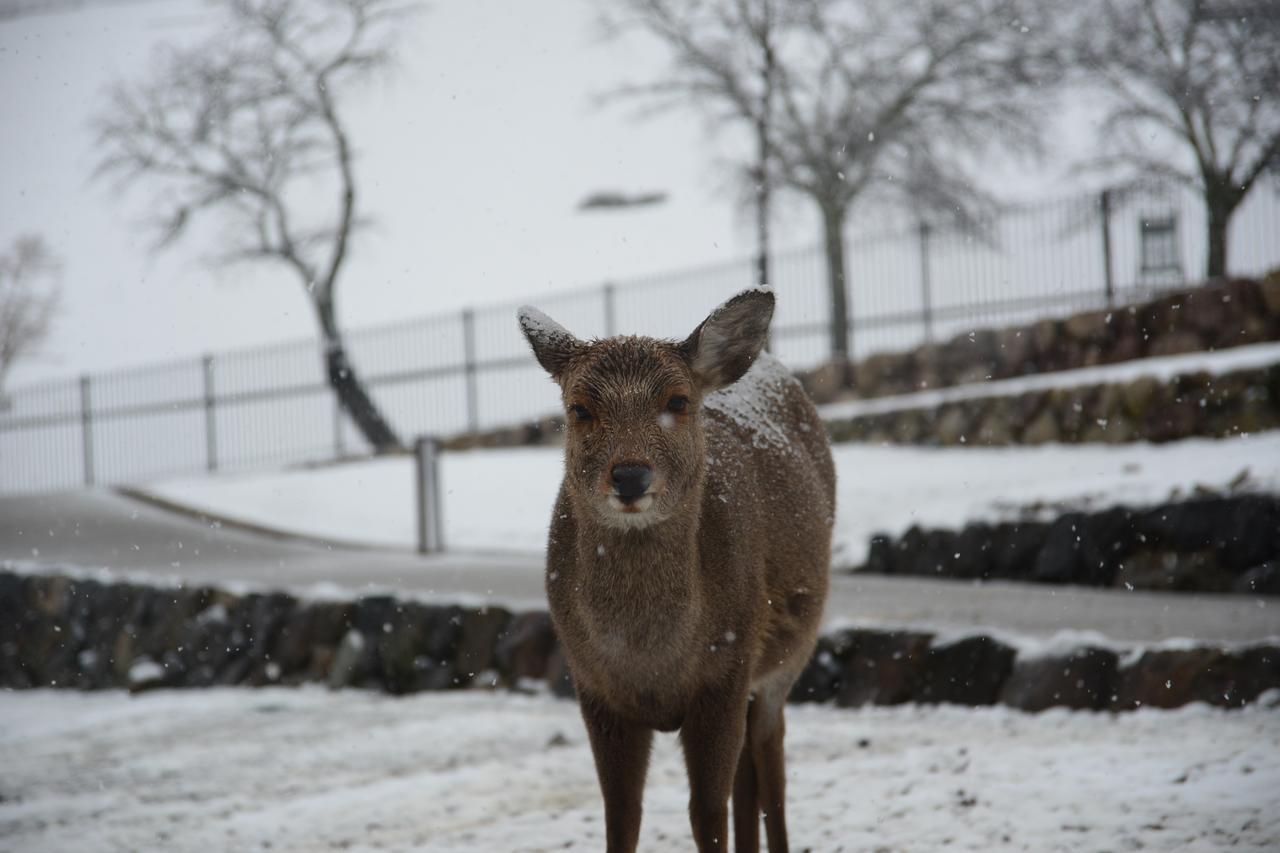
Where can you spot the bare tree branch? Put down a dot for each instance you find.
(1197, 73)
(875, 98)
(245, 130)
(29, 300)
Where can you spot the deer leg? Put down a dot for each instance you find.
(621, 751)
(712, 735)
(767, 731)
(746, 805)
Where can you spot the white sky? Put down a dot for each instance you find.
(473, 156)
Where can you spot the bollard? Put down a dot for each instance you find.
(426, 454)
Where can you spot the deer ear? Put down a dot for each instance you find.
(553, 344)
(726, 344)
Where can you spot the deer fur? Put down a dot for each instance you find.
(696, 605)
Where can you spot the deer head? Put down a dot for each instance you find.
(634, 449)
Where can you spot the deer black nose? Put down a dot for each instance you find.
(631, 481)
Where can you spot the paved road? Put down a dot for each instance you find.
(102, 529)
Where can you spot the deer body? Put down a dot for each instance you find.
(687, 559)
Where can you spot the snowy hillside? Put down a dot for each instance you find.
(880, 489)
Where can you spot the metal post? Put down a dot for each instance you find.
(86, 428)
(469, 367)
(210, 417)
(1104, 210)
(926, 283)
(426, 453)
(610, 310)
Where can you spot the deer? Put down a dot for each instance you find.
(687, 559)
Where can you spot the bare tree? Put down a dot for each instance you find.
(29, 300)
(724, 58)
(864, 98)
(245, 129)
(1201, 74)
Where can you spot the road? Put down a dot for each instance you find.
(101, 529)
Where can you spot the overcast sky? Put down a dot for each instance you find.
(473, 156)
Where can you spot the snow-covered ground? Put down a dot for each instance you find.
(1162, 368)
(500, 500)
(308, 770)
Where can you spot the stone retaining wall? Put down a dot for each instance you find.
(61, 631)
(1193, 405)
(1210, 317)
(1211, 544)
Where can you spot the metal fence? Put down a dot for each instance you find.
(471, 370)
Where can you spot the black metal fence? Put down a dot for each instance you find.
(472, 370)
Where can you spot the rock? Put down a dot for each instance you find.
(352, 663)
(1173, 678)
(825, 382)
(1016, 353)
(821, 677)
(1269, 292)
(1042, 430)
(304, 631)
(525, 647)
(1014, 546)
(478, 638)
(1089, 326)
(1059, 559)
(953, 424)
(1138, 396)
(1044, 335)
(1170, 571)
(968, 672)
(1243, 530)
(879, 667)
(417, 647)
(1083, 680)
(1260, 580)
(1176, 343)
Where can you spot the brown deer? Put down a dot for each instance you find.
(688, 558)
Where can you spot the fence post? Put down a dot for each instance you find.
(926, 283)
(469, 367)
(210, 417)
(1104, 211)
(426, 454)
(86, 428)
(610, 315)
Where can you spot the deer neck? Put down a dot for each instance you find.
(642, 582)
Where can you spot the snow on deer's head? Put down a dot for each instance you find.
(634, 451)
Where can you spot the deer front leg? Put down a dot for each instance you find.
(621, 751)
(712, 735)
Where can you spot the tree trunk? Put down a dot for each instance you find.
(352, 397)
(1219, 218)
(833, 239)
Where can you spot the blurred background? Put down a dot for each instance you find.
(261, 379)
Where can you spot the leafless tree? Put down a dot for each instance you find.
(863, 98)
(29, 300)
(246, 129)
(1201, 74)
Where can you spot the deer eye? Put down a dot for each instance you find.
(580, 412)
(678, 405)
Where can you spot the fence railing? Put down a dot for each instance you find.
(471, 370)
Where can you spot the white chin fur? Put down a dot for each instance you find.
(631, 515)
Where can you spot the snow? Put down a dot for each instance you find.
(755, 403)
(1161, 368)
(879, 489)
(307, 770)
